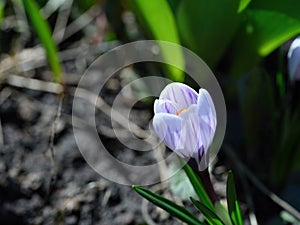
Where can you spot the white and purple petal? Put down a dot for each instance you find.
(197, 136)
(206, 110)
(165, 106)
(168, 127)
(191, 134)
(201, 156)
(179, 93)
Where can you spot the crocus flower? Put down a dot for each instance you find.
(186, 121)
(294, 60)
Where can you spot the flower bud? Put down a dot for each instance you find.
(186, 121)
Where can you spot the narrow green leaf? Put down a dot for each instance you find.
(157, 17)
(233, 205)
(198, 187)
(172, 208)
(42, 29)
(222, 212)
(209, 215)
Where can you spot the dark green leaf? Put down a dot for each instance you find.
(209, 215)
(198, 187)
(172, 208)
(262, 32)
(251, 100)
(287, 155)
(288, 7)
(42, 29)
(233, 205)
(207, 27)
(174, 4)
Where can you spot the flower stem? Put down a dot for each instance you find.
(205, 178)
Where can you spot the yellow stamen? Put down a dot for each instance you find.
(181, 110)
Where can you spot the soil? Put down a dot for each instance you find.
(38, 189)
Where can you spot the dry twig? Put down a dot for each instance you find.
(62, 19)
(34, 84)
(81, 22)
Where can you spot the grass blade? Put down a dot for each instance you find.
(175, 210)
(43, 31)
(233, 205)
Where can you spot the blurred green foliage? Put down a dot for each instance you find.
(2, 5)
(162, 26)
(287, 154)
(257, 105)
(207, 27)
(235, 38)
(244, 31)
(261, 33)
(84, 5)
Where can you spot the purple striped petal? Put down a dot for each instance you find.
(197, 136)
(165, 106)
(191, 131)
(168, 127)
(181, 94)
(207, 111)
(202, 158)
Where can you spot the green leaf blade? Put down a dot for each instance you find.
(42, 29)
(169, 206)
(209, 215)
(233, 205)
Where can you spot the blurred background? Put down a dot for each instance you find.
(46, 46)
